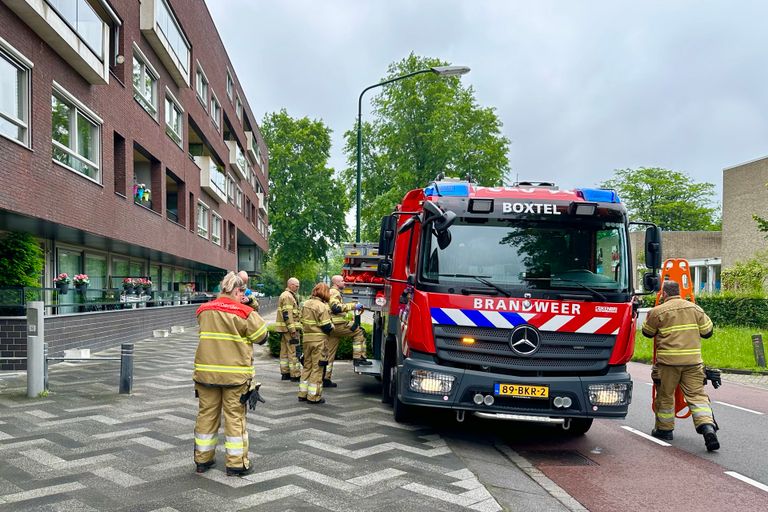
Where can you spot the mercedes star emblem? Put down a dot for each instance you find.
(525, 340)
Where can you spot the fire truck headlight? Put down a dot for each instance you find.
(609, 394)
(431, 383)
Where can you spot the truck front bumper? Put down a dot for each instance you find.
(425, 383)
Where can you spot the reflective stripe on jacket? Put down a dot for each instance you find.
(224, 355)
(677, 326)
(314, 315)
(336, 300)
(287, 303)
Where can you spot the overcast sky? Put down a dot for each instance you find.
(582, 87)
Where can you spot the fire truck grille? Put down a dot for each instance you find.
(558, 352)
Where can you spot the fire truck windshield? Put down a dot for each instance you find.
(573, 253)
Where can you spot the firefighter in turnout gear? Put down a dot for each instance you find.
(342, 327)
(316, 319)
(249, 299)
(677, 327)
(223, 373)
(288, 324)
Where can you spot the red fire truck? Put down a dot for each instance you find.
(509, 303)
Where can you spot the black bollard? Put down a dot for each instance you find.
(126, 368)
(45, 366)
(757, 346)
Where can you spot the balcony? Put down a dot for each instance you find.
(212, 178)
(237, 159)
(163, 31)
(252, 146)
(75, 31)
(262, 205)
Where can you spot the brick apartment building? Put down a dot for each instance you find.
(127, 145)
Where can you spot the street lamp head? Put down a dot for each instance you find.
(450, 70)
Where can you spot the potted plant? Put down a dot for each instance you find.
(61, 282)
(146, 284)
(128, 284)
(81, 282)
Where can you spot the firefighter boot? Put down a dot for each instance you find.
(285, 376)
(239, 471)
(664, 435)
(327, 383)
(202, 467)
(710, 437)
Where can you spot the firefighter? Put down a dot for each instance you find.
(249, 298)
(288, 324)
(677, 327)
(341, 328)
(223, 373)
(316, 320)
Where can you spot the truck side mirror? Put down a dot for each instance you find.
(651, 282)
(653, 247)
(387, 235)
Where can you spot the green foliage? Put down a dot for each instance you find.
(307, 204)
(345, 344)
(729, 347)
(670, 199)
(747, 276)
(727, 308)
(422, 126)
(21, 260)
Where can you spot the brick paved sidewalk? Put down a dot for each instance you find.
(85, 447)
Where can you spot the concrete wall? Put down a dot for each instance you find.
(97, 331)
(744, 195)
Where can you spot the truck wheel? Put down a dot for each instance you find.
(579, 427)
(387, 373)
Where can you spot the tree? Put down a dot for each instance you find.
(307, 204)
(670, 199)
(422, 126)
(21, 260)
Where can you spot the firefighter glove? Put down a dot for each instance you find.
(294, 340)
(713, 375)
(252, 396)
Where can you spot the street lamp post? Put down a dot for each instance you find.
(444, 71)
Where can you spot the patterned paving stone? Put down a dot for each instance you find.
(85, 447)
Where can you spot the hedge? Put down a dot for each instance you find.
(345, 344)
(729, 309)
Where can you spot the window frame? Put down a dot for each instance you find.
(238, 107)
(239, 197)
(77, 107)
(170, 98)
(146, 68)
(203, 209)
(215, 114)
(230, 85)
(215, 217)
(23, 65)
(198, 73)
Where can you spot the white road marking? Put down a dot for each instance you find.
(747, 480)
(740, 408)
(642, 434)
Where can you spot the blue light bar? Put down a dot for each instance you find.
(599, 195)
(447, 189)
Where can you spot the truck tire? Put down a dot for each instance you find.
(387, 372)
(579, 427)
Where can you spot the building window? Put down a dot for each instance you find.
(230, 189)
(239, 198)
(84, 21)
(170, 28)
(215, 229)
(14, 96)
(201, 86)
(76, 136)
(144, 85)
(173, 119)
(230, 85)
(239, 108)
(215, 111)
(202, 219)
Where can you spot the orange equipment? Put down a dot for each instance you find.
(675, 269)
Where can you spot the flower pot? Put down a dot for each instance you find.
(128, 289)
(148, 289)
(81, 287)
(62, 288)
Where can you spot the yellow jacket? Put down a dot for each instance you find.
(314, 315)
(339, 310)
(228, 330)
(677, 327)
(287, 305)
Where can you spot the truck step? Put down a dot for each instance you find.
(371, 369)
